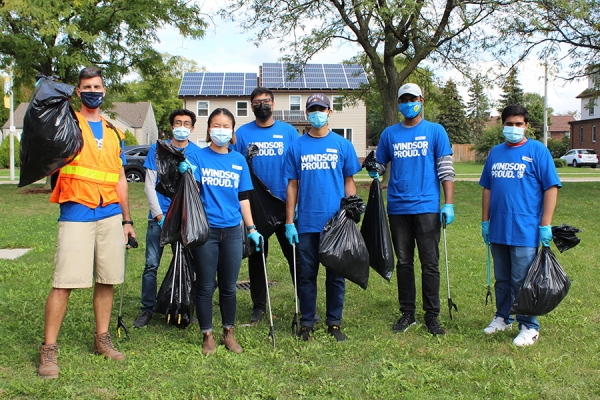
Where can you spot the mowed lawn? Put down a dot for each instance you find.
(166, 363)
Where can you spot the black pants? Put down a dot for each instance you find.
(424, 231)
(258, 285)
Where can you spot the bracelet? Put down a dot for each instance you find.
(127, 222)
(249, 228)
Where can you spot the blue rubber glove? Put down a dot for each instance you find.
(448, 211)
(256, 238)
(296, 213)
(545, 235)
(291, 233)
(374, 174)
(185, 165)
(161, 222)
(485, 232)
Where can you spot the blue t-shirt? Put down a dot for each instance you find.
(517, 177)
(222, 177)
(273, 143)
(320, 166)
(150, 163)
(414, 186)
(75, 212)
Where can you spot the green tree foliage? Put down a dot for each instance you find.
(534, 103)
(61, 36)
(452, 114)
(492, 136)
(5, 153)
(478, 109)
(130, 140)
(558, 148)
(512, 93)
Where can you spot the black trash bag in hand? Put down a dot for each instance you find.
(373, 166)
(342, 248)
(174, 298)
(544, 287)
(51, 135)
(168, 158)
(564, 237)
(248, 246)
(268, 210)
(354, 207)
(376, 233)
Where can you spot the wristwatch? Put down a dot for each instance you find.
(249, 228)
(127, 222)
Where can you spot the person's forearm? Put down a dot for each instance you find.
(349, 186)
(448, 187)
(246, 212)
(550, 197)
(123, 193)
(291, 200)
(485, 205)
(150, 191)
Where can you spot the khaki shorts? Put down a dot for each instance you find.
(89, 251)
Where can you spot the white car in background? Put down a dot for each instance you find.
(581, 157)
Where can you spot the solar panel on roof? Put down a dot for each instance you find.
(313, 76)
(217, 83)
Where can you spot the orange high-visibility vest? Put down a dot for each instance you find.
(93, 175)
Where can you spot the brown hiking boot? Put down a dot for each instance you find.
(208, 344)
(229, 341)
(103, 346)
(48, 361)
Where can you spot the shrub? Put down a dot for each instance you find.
(130, 140)
(5, 153)
(559, 163)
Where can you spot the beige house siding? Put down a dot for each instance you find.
(148, 134)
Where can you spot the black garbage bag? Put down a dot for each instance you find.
(168, 158)
(371, 165)
(175, 299)
(51, 135)
(248, 246)
(342, 248)
(268, 210)
(376, 233)
(544, 287)
(564, 237)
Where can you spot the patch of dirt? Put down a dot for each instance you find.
(35, 191)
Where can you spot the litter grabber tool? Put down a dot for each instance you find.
(295, 322)
(450, 302)
(177, 262)
(131, 243)
(489, 271)
(271, 329)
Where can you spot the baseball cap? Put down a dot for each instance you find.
(410, 88)
(318, 99)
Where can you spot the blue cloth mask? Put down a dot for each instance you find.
(411, 109)
(318, 119)
(92, 100)
(513, 134)
(181, 133)
(220, 136)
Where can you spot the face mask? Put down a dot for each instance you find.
(318, 119)
(512, 134)
(262, 111)
(181, 133)
(410, 110)
(92, 100)
(220, 136)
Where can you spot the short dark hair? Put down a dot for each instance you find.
(224, 111)
(89, 72)
(181, 111)
(514, 109)
(261, 90)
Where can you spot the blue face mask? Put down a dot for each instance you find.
(92, 100)
(410, 110)
(318, 119)
(513, 134)
(220, 136)
(181, 133)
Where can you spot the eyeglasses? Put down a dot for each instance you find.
(264, 101)
(187, 124)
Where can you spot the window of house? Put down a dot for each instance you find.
(593, 133)
(295, 103)
(242, 109)
(581, 134)
(203, 107)
(344, 132)
(338, 103)
(591, 105)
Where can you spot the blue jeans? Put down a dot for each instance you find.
(153, 255)
(511, 265)
(222, 255)
(335, 285)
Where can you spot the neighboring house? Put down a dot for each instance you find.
(138, 118)
(584, 132)
(560, 126)
(203, 92)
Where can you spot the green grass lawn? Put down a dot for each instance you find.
(167, 363)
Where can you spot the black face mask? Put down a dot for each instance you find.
(262, 111)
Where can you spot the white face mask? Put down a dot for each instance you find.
(181, 133)
(220, 136)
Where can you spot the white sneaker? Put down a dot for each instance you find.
(527, 337)
(497, 325)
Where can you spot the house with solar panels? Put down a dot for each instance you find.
(202, 92)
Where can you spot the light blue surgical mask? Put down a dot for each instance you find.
(411, 109)
(220, 136)
(318, 119)
(513, 134)
(181, 133)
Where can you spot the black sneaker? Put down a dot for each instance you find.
(305, 333)
(257, 315)
(433, 326)
(336, 333)
(142, 320)
(404, 323)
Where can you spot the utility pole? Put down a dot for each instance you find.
(8, 91)
(546, 104)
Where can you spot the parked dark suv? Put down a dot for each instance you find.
(135, 156)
